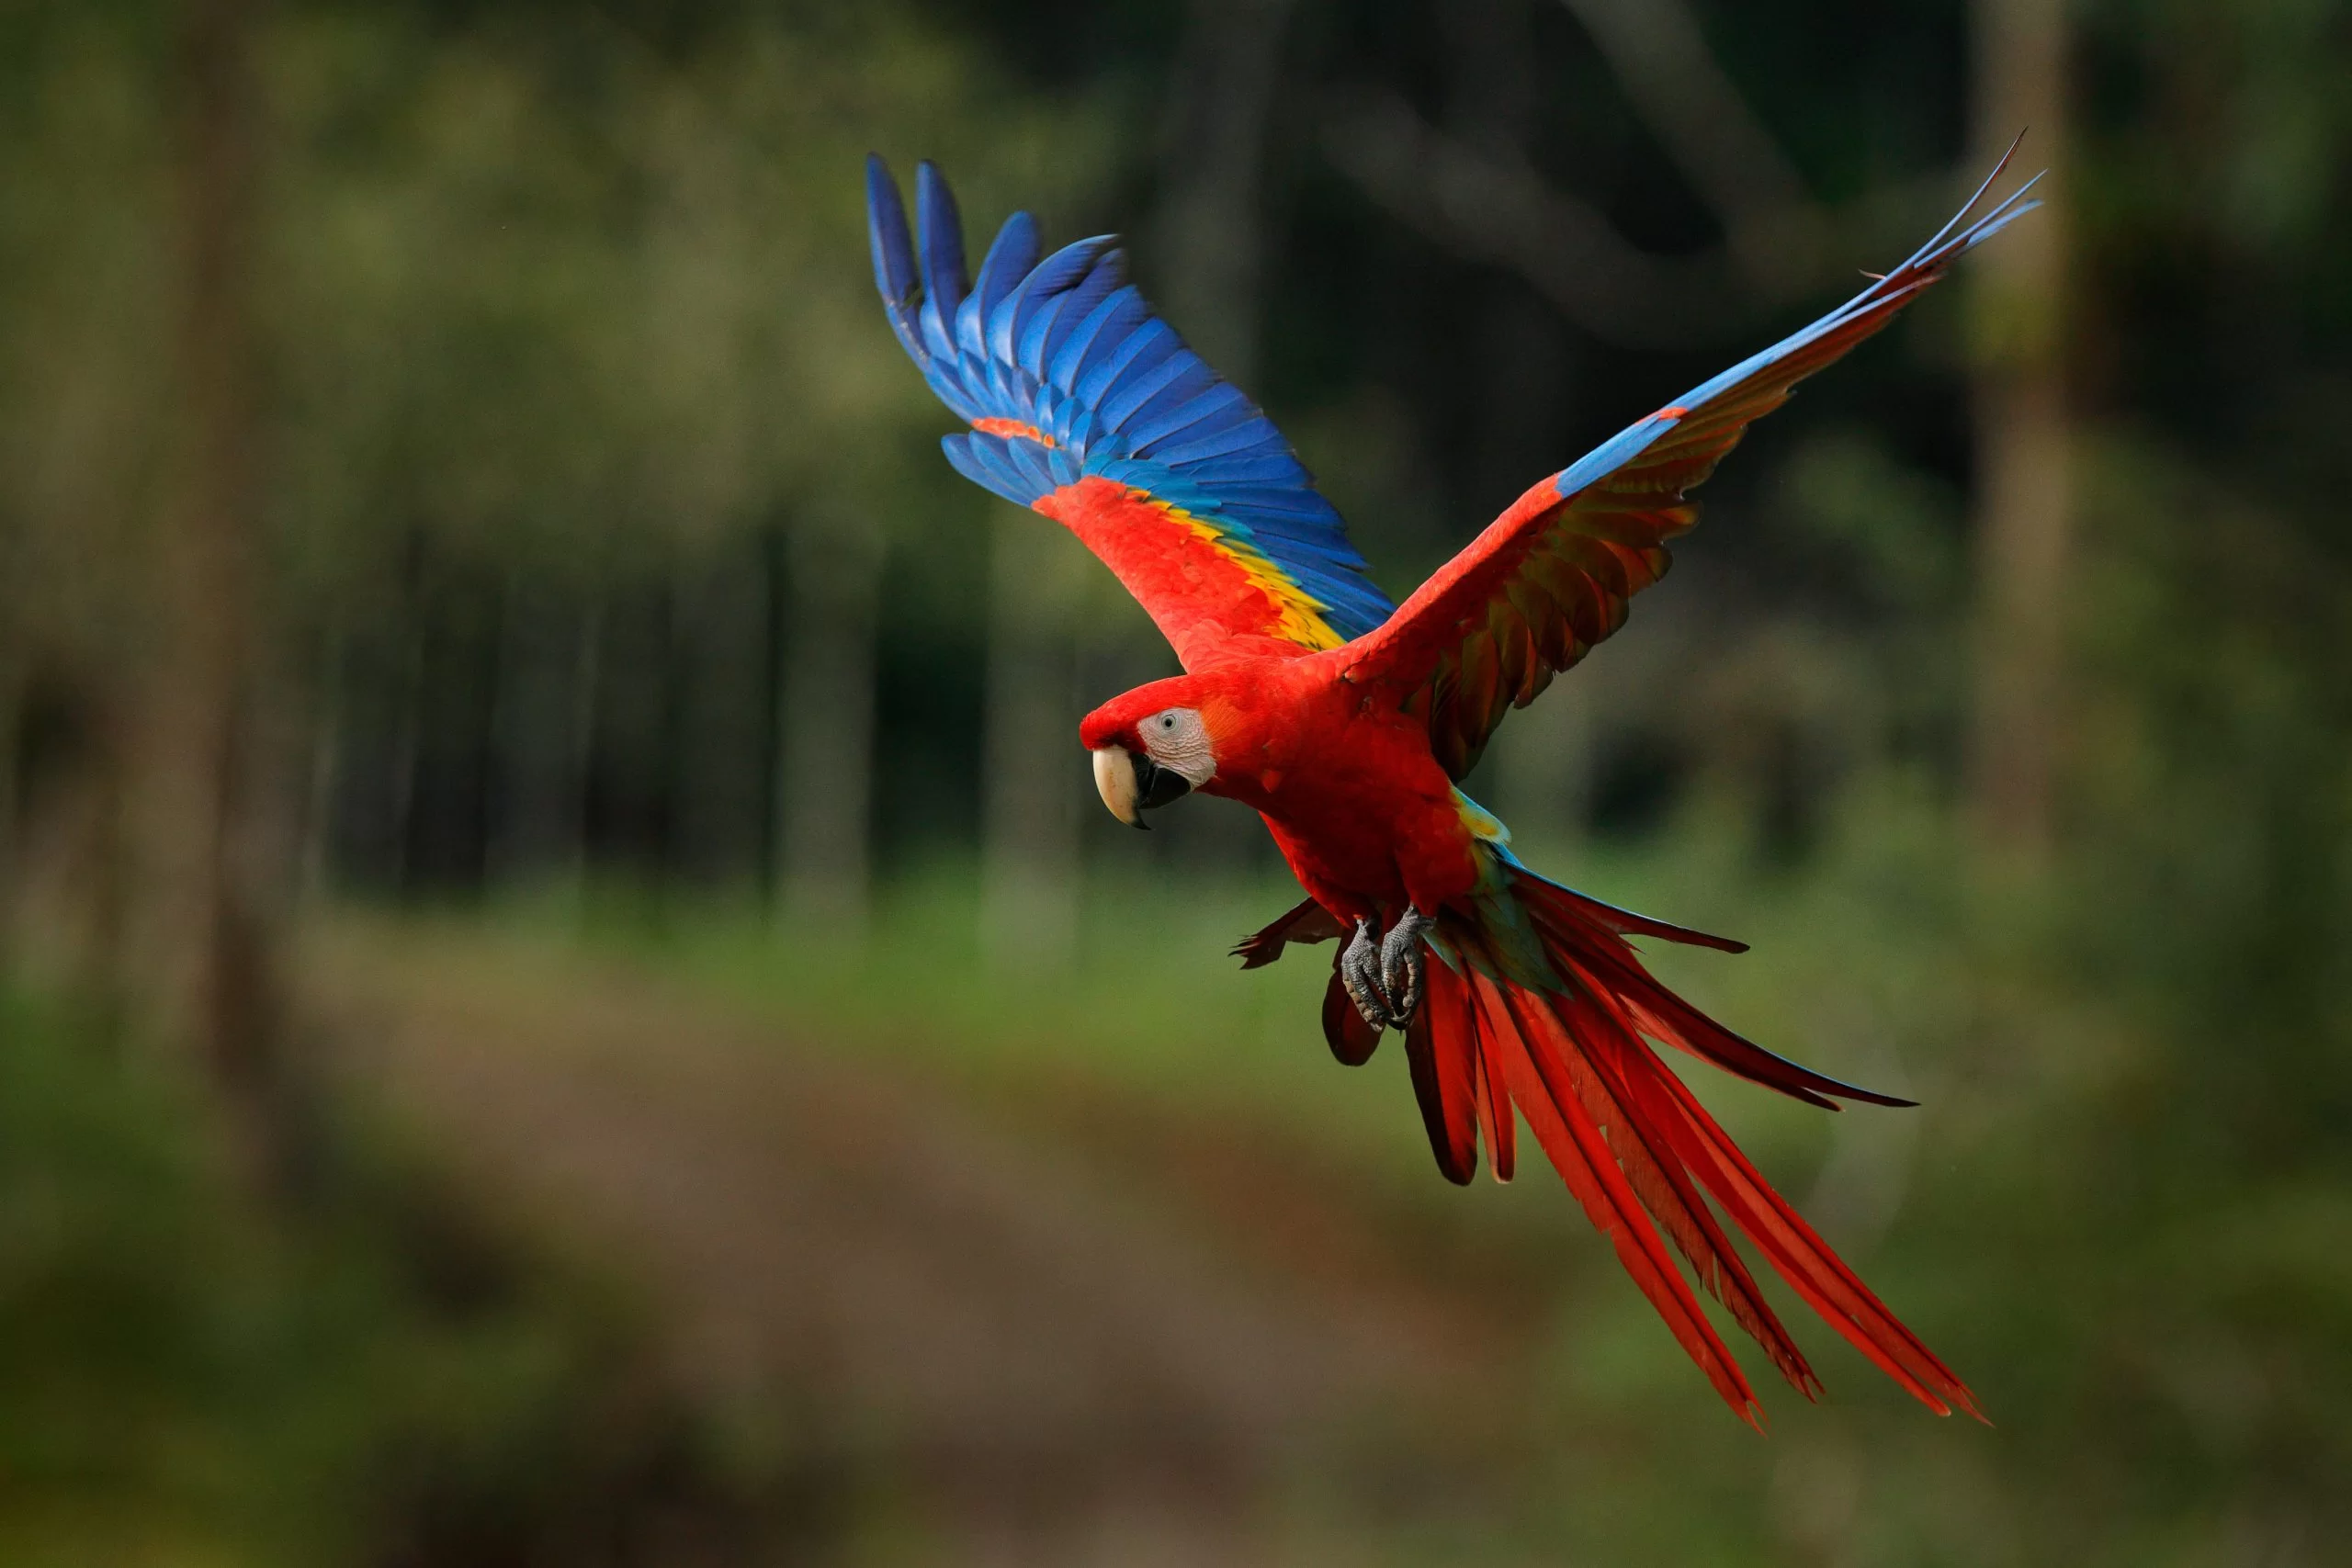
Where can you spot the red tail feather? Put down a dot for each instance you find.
(1442, 1047)
(1539, 1079)
(1595, 942)
(1636, 1148)
(1580, 907)
(1808, 1264)
(1352, 1040)
(1626, 1099)
(1496, 1124)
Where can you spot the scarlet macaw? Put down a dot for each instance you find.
(1345, 722)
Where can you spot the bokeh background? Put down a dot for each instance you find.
(567, 1001)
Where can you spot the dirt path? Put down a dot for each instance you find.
(1053, 1358)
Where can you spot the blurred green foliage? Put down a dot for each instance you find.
(373, 1374)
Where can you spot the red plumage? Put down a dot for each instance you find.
(1580, 1070)
(1345, 725)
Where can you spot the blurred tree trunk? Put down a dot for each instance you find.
(12, 740)
(627, 797)
(719, 788)
(825, 696)
(1212, 223)
(408, 742)
(544, 685)
(1540, 765)
(322, 772)
(1210, 244)
(588, 676)
(207, 938)
(1493, 102)
(1661, 58)
(2024, 438)
(1029, 827)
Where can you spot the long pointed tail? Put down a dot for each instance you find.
(1570, 1051)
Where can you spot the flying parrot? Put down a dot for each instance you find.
(1345, 722)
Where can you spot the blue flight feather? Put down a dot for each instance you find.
(1150, 431)
(894, 266)
(1140, 349)
(1011, 255)
(1098, 285)
(1066, 347)
(941, 230)
(1247, 436)
(967, 455)
(1242, 471)
(1101, 321)
(1038, 295)
(1177, 379)
(1212, 414)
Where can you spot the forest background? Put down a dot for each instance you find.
(567, 1001)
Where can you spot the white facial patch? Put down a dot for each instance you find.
(1179, 741)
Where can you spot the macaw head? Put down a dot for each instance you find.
(1150, 745)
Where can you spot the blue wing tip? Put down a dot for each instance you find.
(2015, 205)
(892, 247)
(942, 223)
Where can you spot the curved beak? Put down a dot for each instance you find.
(1131, 786)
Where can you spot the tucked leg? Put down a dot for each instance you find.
(1402, 963)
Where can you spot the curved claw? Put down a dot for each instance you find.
(1383, 976)
(1360, 968)
(1402, 964)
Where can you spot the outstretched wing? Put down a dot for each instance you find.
(1087, 408)
(1551, 577)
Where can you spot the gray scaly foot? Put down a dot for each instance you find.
(1360, 976)
(1402, 964)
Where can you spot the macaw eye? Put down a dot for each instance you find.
(1176, 738)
